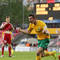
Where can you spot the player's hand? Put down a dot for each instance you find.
(20, 29)
(46, 33)
(13, 38)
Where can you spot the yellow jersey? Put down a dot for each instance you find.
(39, 25)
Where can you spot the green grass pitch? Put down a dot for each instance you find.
(25, 56)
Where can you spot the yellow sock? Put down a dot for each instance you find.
(38, 58)
(49, 53)
(12, 51)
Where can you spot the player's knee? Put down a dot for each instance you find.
(9, 44)
(38, 54)
(40, 49)
(3, 44)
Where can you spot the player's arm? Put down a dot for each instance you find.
(12, 27)
(44, 28)
(45, 31)
(12, 35)
(25, 30)
(2, 26)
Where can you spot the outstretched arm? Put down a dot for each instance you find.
(25, 30)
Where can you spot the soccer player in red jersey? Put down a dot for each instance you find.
(7, 28)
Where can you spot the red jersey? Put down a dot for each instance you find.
(7, 26)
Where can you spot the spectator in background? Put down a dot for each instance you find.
(57, 0)
(25, 3)
(43, 1)
(30, 3)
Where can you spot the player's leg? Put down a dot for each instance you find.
(2, 49)
(3, 43)
(9, 44)
(49, 53)
(39, 53)
(39, 50)
(12, 50)
(43, 44)
(53, 53)
(9, 48)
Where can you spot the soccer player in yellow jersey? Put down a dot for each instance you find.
(43, 35)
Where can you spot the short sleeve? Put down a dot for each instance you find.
(31, 26)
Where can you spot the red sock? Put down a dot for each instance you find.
(9, 50)
(2, 50)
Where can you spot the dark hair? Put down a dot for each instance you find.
(7, 16)
(32, 15)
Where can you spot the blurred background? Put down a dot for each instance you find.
(19, 10)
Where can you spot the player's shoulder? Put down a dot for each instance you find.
(40, 21)
(3, 22)
(10, 23)
(31, 24)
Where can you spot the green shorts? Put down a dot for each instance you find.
(43, 43)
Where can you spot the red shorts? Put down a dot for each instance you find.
(7, 38)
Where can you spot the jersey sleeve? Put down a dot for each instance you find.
(31, 26)
(1, 25)
(45, 27)
(43, 24)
